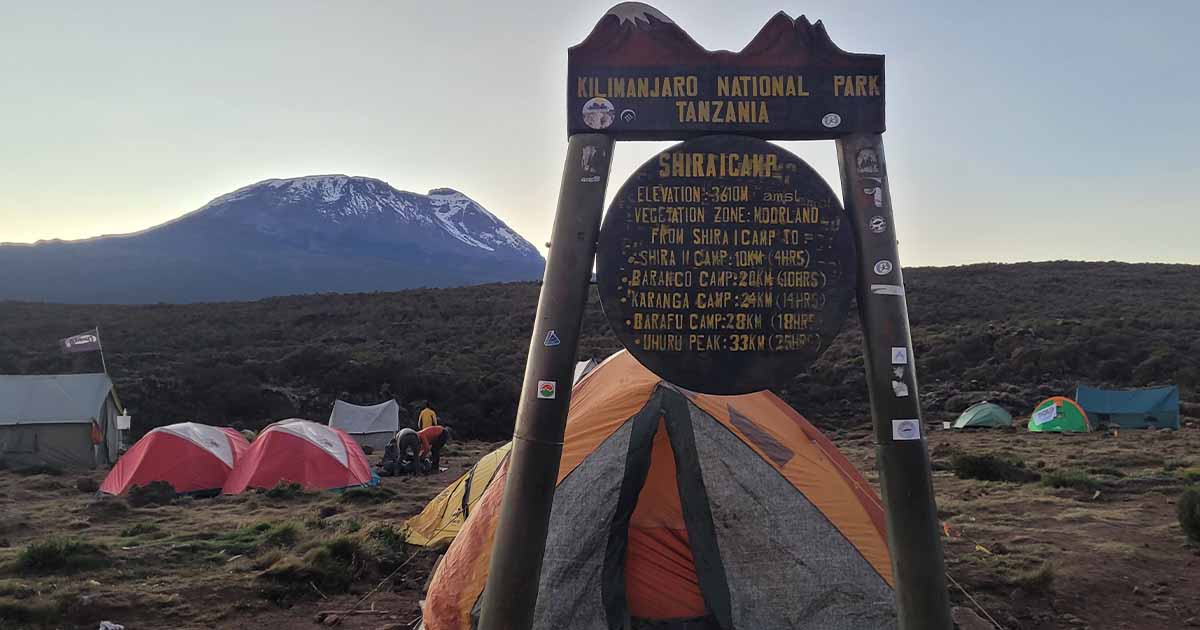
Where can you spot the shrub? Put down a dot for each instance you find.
(1192, 475)
(153, 493)
(285, 490)
(1188, 508)
(60, 555)
(989, 467)
(1069, 479)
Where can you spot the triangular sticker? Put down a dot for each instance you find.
(551, 339)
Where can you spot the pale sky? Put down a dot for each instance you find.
(1020, 130)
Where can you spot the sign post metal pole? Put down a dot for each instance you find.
(905, 478)
(520, 541)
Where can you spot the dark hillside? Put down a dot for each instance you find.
(1010, 333)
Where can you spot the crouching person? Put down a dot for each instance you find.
(433, 439)
(409, 447)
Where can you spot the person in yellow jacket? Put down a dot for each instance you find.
(428, 418)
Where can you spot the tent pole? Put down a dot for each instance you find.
(520, 540)
(100, 345)
(914, 537)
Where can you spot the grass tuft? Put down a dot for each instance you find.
(1105, 470)
(330, 566)
(1188, 509)
(60, 555)
(377, 494)
(140, 529)
(281, 534)
(989, 467)
(153, 493)
(285, 490)
(1067, 478)
(13, 588)
(24, 614)
(1039, 580)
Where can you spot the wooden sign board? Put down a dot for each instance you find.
(639, 76)
(726, 265)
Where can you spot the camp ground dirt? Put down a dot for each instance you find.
(1117, 559)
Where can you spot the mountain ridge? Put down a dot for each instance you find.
(281, 236)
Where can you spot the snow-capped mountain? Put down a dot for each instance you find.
(328, 233)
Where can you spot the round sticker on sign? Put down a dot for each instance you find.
(598, 113)
(883, 267)
(831, 120)
(878, 224)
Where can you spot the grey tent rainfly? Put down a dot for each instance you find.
(369, 425)
(51, 419)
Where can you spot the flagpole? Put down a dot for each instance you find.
(100, 344)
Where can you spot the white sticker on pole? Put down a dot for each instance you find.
(904, 430)
(899, 355)
(547, 390)
(887, 289)
(1042, 416)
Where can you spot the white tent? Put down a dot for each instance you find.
(371, 425)
(47, 420)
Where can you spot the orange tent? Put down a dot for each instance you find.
(686, 510)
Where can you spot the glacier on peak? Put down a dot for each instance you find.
(340, 199)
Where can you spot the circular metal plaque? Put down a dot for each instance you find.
(726, 265)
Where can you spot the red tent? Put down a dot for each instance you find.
(313, 455)
(189, 456)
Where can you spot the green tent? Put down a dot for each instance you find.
(1060, 414)
(984, 414)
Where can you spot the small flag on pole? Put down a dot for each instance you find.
(83, 342)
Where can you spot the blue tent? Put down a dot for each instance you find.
(1130, 408)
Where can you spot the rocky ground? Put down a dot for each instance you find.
(1102, 551)
(224, 562)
